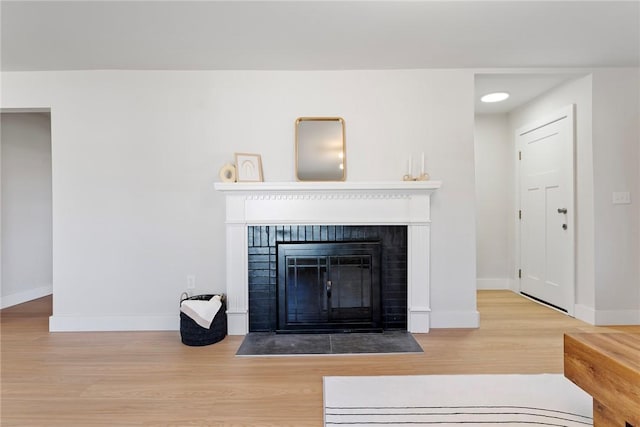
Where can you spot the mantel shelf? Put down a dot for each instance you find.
(349, 186)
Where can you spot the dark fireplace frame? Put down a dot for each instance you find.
(262, 267)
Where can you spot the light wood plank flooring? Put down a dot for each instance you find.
(151, 379)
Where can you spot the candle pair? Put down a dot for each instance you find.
(410, 166)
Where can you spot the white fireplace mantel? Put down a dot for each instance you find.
(318, 203)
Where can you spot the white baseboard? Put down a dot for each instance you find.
(617, 317)
(492, 284)
(455, 319)
(24, 296)
(584, 313)
(114, 323)
(238, 322)
(606, 317)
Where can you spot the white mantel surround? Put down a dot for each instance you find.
(332, 203)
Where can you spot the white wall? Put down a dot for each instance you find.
(494, 200)
(135, 155)
(616, 136)
(26, 207)
(607, 138)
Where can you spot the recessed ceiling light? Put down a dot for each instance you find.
(495, 97)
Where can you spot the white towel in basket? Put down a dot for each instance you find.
(201, 311)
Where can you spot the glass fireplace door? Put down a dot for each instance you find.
(306, 279)
(329, 286)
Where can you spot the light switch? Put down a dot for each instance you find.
(621, 198)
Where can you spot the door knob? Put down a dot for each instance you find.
(562, 210)
(564, 226)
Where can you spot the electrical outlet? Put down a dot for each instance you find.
(191, 282)
(621, 198)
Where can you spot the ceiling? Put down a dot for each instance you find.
(522, 88)
(319, 35)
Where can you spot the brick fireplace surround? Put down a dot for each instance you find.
(333, 203)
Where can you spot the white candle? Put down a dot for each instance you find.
(410, 165)
(422, 166)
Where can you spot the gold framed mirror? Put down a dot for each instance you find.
(320, 149)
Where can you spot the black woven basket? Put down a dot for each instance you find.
(195, 335)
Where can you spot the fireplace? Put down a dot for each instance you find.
(269, 246)
(293, 209)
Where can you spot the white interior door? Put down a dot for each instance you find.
(547, 214)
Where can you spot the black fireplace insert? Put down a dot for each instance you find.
(263, 284)
(329, 286)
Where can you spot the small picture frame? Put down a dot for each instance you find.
(248, 167)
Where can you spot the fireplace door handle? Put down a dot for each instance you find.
(329, 284)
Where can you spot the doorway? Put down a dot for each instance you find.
(495, 167)
(533, 97)
(26, 207)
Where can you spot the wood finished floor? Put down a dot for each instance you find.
(151, 379)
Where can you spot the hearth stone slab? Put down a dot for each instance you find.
(272, 344)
